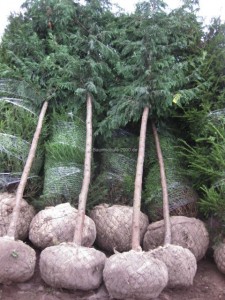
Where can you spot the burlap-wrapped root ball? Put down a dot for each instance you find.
(134, 275)
(72, 267)
(186, 232)
(7, 203)
(17, 261)
(114, 226)
(181, 264)
(55, 225)
(219, 256)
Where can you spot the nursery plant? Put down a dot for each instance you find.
(70, 60)
(18, 259)
(181, 263)
(133, 274)
(204, 148)
(146, 81)
(87, 263)
(204, 123)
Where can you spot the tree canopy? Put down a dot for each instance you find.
(126, 61)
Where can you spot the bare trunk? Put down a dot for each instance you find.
(166, 211)
(26, 171)
(138, 182)
(78, 233)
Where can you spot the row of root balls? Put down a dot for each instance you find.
(109, 229)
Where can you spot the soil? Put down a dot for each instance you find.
(209, 284)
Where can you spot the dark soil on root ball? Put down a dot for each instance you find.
(208, 284)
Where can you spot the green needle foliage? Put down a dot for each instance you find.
(58, 46)
(65, 50)
(204, 150)
(156, 62)
(152, 57)
(115, 181)
(19, 109)
(65, 152)
(182, 197)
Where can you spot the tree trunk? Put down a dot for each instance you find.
(26, 171)
(78, 233)
(138, 182)
(166, 211)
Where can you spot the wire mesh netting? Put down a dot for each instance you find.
(19, 108)
(14, 152)
(22, 94)
(217, 116)
(62, 183)
(10, 181)
(168, 144)
(115, 182)
(182, 197)
(65, 154)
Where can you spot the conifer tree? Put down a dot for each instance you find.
(157, 58)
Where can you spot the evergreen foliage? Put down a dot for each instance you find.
(156, 62)
(115, 181)
(65, 152)
(182, 197)
(19, 109)
(66, 53)
(204, 151)
(152, 57)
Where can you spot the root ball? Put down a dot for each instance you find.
(7, 203)
(181, 264)
(114, 227)
(187, 232)
(55, 225)
(17, 261)
(219, 257)
(72, 267)
(134, 275)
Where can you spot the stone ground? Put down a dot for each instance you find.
(209, 284)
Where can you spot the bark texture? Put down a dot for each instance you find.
(114, 227)
(7, 204)
(17, 261)
(166, 211)
(138, 182)
(181, 264)
(219, 257)
(187, 232)
(55, 225)
(72, 267)
(78, 233)
(134, 275)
